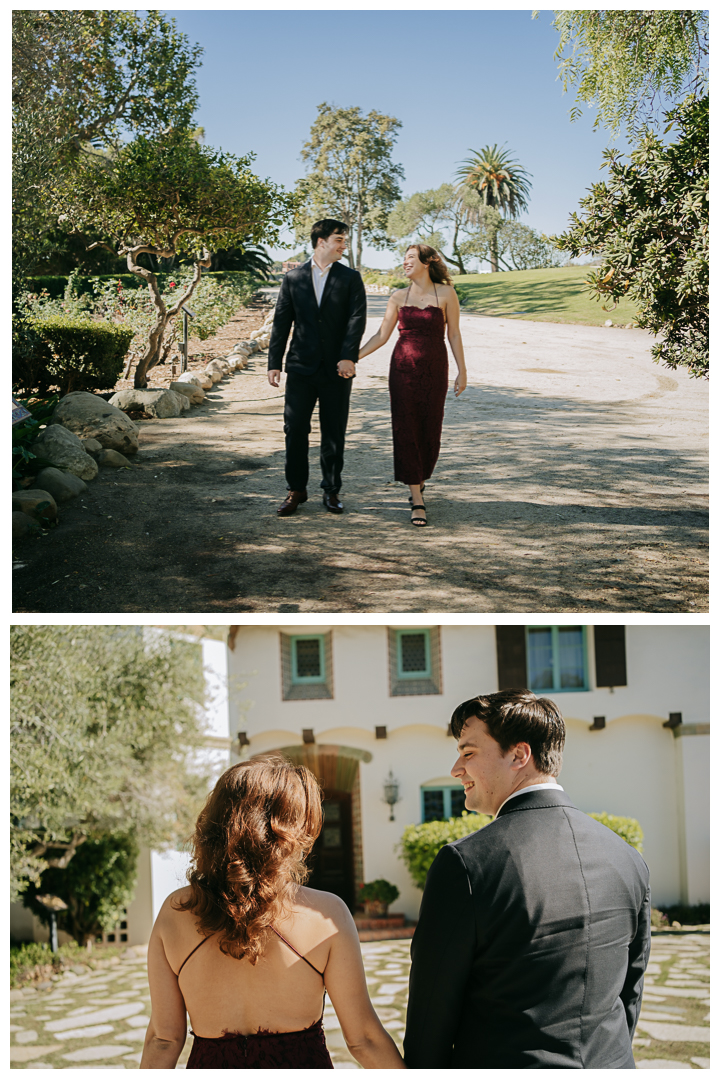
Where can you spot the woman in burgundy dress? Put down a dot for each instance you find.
(247, 951)
(419, 367)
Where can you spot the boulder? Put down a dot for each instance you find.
(92, 417)
(192, 391)
(159, 403)
(216, 370)
(61, 485)
(60, 446)
(241, 349)
(22, 525)
(36, 503)
(92, 446)
(191, 377)
(113, 459)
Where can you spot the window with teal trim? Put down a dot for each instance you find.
(413, 654)
(308, 658)
(441, 803)
(557, 658)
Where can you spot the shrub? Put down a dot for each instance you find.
(32, 960)
(686, 914)
(627, 828)
(380, 889)
(420, 844)
(73, 353)
(97, 885)
(24, 461)
(56, 284)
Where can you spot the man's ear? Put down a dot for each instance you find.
(522, 754)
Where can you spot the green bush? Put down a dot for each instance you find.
(380, 889)
(24, 461)
(34, 959)
(97, 885)
(55, 284)
(73, 353)
(627, 828)
(420, 844)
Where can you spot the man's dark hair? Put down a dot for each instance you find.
(321, 230)
(514, 716)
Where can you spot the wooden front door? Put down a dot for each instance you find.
(331, 859)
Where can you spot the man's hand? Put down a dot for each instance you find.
(346, 369)
(274, 377)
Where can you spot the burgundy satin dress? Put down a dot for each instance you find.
(418, 382)
(304, 1049)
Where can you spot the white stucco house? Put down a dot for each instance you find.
(366, 707)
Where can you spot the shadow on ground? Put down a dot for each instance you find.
(538, 503)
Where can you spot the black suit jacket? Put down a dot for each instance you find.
(531, 947)
(324, 335)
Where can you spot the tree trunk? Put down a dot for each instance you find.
(494, 255)
(154, 351)
(358, 244)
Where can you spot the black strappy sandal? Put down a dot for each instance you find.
(418, 521)
(421, 491)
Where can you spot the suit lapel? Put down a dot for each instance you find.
(308, 286)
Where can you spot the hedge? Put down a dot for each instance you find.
(55, 284)
(627, 828)
(420, 844)
(72, 353)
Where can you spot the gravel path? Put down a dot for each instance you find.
(98, 1019)
(572, 478)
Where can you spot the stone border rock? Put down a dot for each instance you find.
(93, 433)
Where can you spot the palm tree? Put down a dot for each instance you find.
(500, 182)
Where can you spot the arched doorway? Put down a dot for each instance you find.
(335, 863)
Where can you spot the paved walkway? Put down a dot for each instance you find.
(98, 1019)
(572, 478)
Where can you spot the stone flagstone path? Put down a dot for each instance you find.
(97, 1020)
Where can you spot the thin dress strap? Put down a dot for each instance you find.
(296, 952)
(190, 954)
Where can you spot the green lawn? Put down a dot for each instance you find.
(542, 295)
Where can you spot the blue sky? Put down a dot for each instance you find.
(457, 80)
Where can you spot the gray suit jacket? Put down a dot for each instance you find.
(531, 947)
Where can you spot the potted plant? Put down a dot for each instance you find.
(375, 897)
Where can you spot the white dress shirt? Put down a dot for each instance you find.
(530, 787)
(319, 277)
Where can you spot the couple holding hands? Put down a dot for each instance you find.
(323, 302)
(529, 953)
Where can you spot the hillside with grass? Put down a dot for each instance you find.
(552, 295)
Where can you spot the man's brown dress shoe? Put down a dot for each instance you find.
(292, 501)
(333, 504)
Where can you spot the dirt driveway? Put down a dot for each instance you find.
(572, 478)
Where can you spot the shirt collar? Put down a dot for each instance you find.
(319, 268)
(531, 787)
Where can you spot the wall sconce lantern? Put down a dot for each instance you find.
(391, 788)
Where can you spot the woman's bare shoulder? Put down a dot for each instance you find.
(171, 910)
(323, 905)
(397, 294)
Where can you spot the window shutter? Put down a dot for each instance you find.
(610, 666)
(511, 657)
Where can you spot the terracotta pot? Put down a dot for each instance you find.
(375, 909)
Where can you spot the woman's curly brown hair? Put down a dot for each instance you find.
(437, 267)
(249, 849)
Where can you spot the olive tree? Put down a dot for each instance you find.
(84, 78)
(649, 222)
(105, 723)
(169, 196)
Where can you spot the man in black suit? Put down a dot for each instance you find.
(534, 932)
(325, 302)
